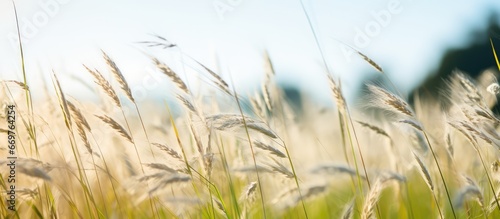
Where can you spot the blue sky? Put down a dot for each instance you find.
(62, 35)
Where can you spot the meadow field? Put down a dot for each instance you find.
(213, 152)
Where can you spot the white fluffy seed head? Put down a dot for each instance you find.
(494, 88)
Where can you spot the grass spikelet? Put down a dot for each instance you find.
(116, 126)
(160, 166)
(187, 103)
(468, 88)
(280, 168)
(267, 96)
(374, 194)
(269, 148)
(172, 75)
(219, 207)
(374, 128)
(262, 130)
(465, 193)
(347, 213)
(219, 81)
(248, 169)
(424, 171)
(475, 132)
(249, 193)
(104, 84)
(385, 100)
(34, 172)
(18, 83)
(370, 61)
(333, 169)
(81, 124)
(169, 151)
(62, 101)
(365, 57)
(337, 93)
(371, 200)
(412, 123)
(118, 76)
(78, 115)
(162, 42)
(310, 192)
(165, 181)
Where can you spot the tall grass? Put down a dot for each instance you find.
(235, 156)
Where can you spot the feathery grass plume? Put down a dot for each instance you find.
(208, 157)
(374, 128)
(218, 79)
(250, 169)
(169, 151)
(219, 207)
(118, 75)
(257, 105)
(228, 118)
(62, 102)
(267, 96)
(81, 124)
(226, 121)
(269, 148)
(486, 114)
(366, 58)
(269, 74)
(187, 103)
(461, 82)
(493, 202)
(424, 171)
(18, 83)
(32, 167)
(412, 123)
(390, 102)
(161, 43)
(171, 179)
(199, 145)
(78, 115)
(457, 125)
(370, 61)
(491, 131)
(465, 193)
(262, 130)
(172, 75)
(104, 84)
(116, 126)
(493, 88)
(371, 200)
(476, 133)
(34, 171)
(309, 192)
(160, 166)
(280, 168)
(249, 193)
(374, 194)
(337, 93)
(347, 213)
(334, 169)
